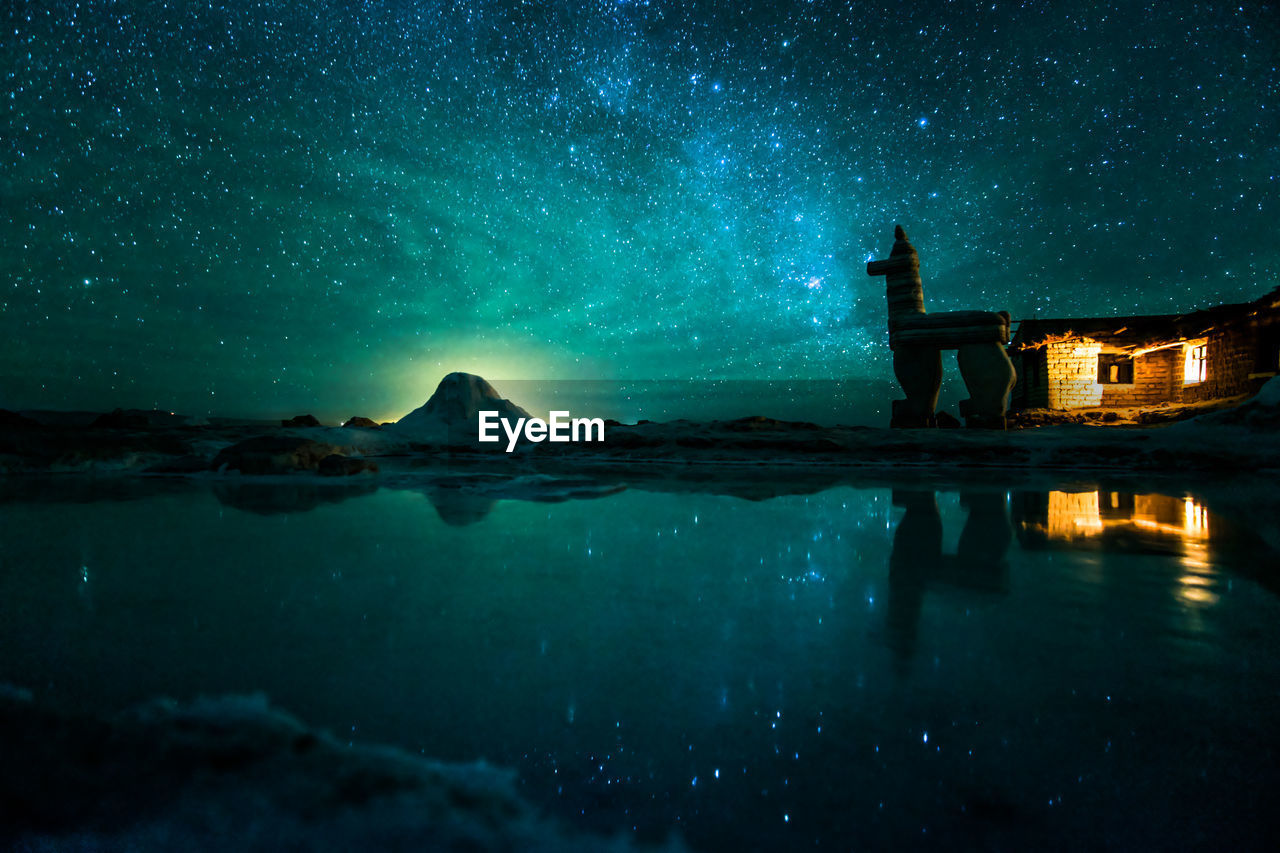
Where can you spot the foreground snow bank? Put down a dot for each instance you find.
(1260, 413)
(233, 773)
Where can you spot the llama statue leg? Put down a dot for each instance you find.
(919, 372)
(989, 376)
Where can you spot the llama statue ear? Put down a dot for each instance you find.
(899, 234)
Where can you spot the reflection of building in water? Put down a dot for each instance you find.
(1123, 522)
(1078, 515)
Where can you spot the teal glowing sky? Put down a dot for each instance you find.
(276, 207)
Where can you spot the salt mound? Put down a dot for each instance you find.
(1269, 394)
(452, 414)
(234, 773)
(1262, 412)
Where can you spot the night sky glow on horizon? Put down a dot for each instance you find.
(274, 207)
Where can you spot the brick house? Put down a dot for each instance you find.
(1140, 361)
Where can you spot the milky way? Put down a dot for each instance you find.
(261, 207)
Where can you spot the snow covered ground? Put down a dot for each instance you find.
(234, 773)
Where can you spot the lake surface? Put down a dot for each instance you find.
(994, 666)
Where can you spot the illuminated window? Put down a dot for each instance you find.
(1196, 365)
(1115, 369)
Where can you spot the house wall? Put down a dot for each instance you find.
(1242, 352)
(1157, 378)
(1232, 356)
(1072, 368)
(1072, 374)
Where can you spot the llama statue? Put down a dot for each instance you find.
(918, 339)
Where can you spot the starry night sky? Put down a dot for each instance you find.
(272, 207)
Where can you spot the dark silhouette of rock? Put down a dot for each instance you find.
(140, 419)
(59, 418)
(301, 421)
(117, 419)
(337, 465)
(366, 423)
(13, 419)
(759, 423)
(81, 449)
(451, 416)
(273, 454)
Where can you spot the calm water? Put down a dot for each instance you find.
(1002, 667)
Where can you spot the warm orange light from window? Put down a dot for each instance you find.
(1196, 363)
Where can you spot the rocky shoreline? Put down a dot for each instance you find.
(1241, 438)
(1236, 445)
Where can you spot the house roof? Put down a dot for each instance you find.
(1140, 329)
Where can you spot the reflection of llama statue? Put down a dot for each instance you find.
(917, 340)
(917, 561)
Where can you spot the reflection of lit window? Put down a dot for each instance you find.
(1072, 515)
(1195, 519)
(1115, 369)
(1196, 364)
